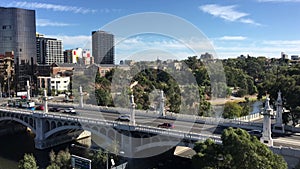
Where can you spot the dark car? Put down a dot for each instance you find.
(256, 133)
(54, 109)
(166, 125)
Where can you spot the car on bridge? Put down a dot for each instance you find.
(70, 110)
(123, 117)
(256, 133)
(40, 107)
(54, 109)
(166, 125)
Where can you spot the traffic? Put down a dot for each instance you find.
(24, 103)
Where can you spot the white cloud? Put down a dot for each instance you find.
(70, 42)
(295, 43)
(46, 22)
(228, 13)
(266, 48)
(234, 38)
(37, 5)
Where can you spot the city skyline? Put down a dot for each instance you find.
(255, 27)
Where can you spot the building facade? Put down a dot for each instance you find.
(56, 83)
(49, 50)
(17, 34)
(7, 71)
(78, 56)
(103, 47)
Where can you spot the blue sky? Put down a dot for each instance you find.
(234, 27)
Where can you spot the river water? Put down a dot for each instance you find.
(14, 146)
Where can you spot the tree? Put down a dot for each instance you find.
(62, 160)
(238, 150)
(232, 110)
(28, 162)
(99, 159)
(53, 166)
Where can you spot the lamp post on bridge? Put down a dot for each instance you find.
(81, 97)
(132, 104)
(28, 90)
(267, 113)
(162, 104)
(45, 99)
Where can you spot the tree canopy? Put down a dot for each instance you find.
(238, 150)
(28, 162)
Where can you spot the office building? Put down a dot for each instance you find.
(49, 50)
(17, 34)
(103, 47)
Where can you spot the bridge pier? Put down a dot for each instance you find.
(126, 144)
(39, 132)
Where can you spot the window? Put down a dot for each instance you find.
(52, 81)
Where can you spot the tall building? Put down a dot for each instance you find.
(17, 35)
(49, 50)
(103, 47)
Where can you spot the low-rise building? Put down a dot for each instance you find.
(56, 83)
(7, 70)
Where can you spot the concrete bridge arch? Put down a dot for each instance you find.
(31, 127)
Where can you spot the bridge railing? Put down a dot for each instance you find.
(244, 121)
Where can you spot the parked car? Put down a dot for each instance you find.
(70, 110)
(54, 109)
(40, 107)
(166, 125)
(256, 133)
(4, 105)
(124, 118)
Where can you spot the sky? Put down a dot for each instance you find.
(231, 27)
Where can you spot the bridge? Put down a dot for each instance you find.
(53, 128)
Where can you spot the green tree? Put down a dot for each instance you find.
(53, 166)
(238, 150)
(28, 162)
(232, 110)
(61, 160)
(99, 159)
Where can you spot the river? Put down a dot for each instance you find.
(14, 146)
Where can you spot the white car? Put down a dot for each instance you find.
(124, 118)
(70, 110)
